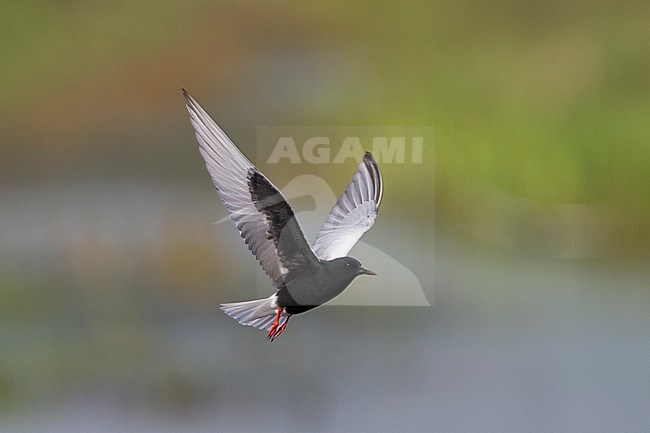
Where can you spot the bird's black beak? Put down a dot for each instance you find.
(364, 271)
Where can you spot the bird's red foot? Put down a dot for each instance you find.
(280, 329)
(274, 327)
(276, 330)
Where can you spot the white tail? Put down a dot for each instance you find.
(259, 313)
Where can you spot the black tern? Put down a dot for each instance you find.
(305, 276)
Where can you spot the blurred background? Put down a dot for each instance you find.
(536, 251)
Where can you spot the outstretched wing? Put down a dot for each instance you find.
(260, 212)
(354, 212)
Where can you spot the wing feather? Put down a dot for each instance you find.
(354, 213)
(232, 174)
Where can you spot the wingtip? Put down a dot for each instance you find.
(187, 96)
(373, 168)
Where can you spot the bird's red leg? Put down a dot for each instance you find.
(274, 326)
(277, 333)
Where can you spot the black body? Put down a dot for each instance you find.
(310, 282)
(314, 285)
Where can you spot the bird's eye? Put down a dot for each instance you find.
(348, 264)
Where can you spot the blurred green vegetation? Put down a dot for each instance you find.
(545, 100)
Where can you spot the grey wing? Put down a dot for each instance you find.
(230, 171)
(354, 212)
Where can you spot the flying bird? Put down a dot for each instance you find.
(305, 276)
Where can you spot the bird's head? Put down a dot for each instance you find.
(349, 267)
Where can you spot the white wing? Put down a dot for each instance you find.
(354, 212)
(230, 170)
